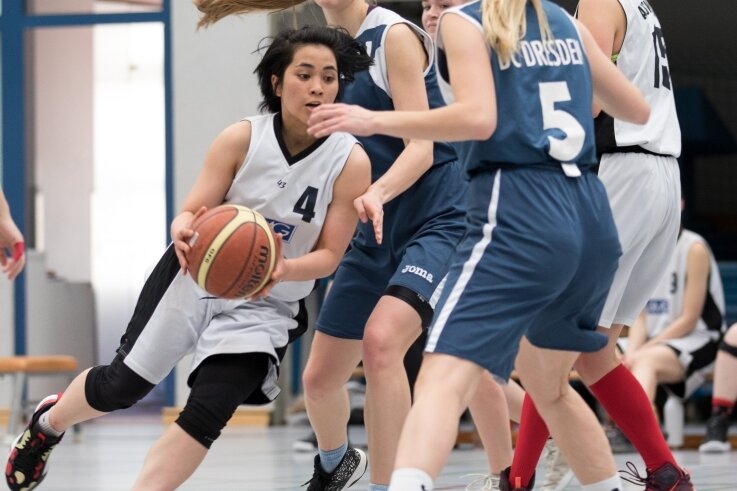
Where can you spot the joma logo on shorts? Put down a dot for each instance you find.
(418, 271)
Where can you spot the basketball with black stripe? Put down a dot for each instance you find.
(232, 252)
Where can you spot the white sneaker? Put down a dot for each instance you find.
(557, 473)
(483, 482)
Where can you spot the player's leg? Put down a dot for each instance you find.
(724, 395)
(329, 366)
(393, 327)
(574, 426)
(429, 223)
(331, 362)
(656, 364)
(489, 408)
(725, 385)
(648, 240)
(437, 406)
(220, 384)
(103, 389)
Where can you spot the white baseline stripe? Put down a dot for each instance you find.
(468, 268)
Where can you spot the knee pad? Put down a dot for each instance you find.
(724, 346)
(414, 300)
(114, 386)
(220, 385)
(208, 409)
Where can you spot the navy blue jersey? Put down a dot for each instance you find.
(370, 90)
(543, 96)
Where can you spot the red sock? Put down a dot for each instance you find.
(721, 406)
(627, 404)
(530, 442)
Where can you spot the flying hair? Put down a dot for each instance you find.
(215, 10)
(505, 23)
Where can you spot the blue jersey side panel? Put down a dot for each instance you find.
(370, 90)
(543, 97)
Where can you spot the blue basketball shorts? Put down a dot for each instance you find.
(537, 260)
(422, 228)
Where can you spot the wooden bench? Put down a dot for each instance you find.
(21, 367)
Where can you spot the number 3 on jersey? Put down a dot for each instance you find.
(567, 148)
(305, 205)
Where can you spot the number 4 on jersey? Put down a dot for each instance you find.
(305, 205)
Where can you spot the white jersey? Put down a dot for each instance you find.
(666, 304)
(643, 60)
(291, 192)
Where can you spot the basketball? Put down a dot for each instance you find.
(232, 252)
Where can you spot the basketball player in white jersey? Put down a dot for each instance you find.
(10, 240)
(305, 187)
(675, 339)
(640, 172)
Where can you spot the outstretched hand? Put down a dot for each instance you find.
(327, 119)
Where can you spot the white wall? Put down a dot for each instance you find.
(63, 143)
(214, 86)
(128, 202)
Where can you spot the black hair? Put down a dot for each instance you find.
(349, 54)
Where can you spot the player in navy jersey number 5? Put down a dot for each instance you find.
(540, 248)
(636, 160)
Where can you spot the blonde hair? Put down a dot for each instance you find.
(214, 10)
(505, 23)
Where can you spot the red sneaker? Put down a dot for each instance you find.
(26, 466)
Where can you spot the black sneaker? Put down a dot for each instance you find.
(715, 440)
(506, 484)
(26, 466)
(349, 471)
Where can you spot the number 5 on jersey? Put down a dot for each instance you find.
(564, 149)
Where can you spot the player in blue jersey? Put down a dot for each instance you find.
(494, 404)
(382, 294)
(381, 297)
(540, 248)
(636, 160)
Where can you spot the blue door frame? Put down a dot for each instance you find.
(14, 22)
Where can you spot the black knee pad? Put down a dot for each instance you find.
(415, 300)
(114, 386)
(724, 346)
(220, 385)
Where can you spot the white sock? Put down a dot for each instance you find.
(43, 423)
(410, 479)
(611, 484)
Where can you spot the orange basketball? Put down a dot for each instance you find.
(232, 252)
